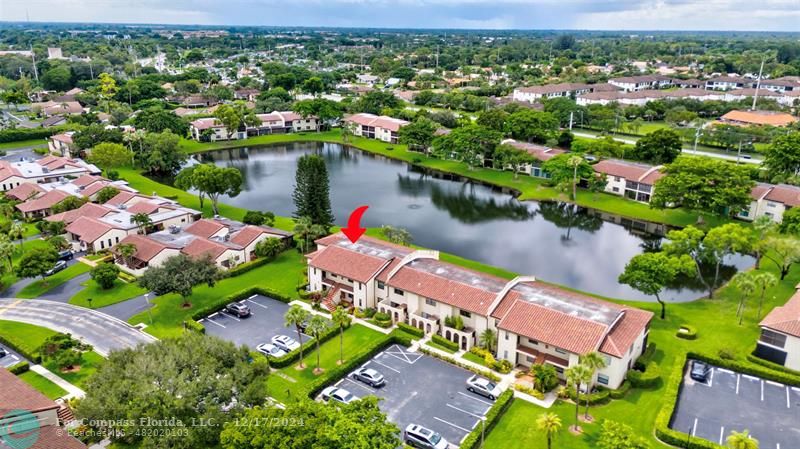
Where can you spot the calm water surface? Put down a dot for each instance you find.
(556, 242)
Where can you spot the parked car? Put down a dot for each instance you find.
(423, 438)
(270, 350)
(60, 265)
(285, 342)
(370, 377)
(483, 387)
(699, 371)
(65, 255)
(3, 352)
(238, 309)
(338, 394)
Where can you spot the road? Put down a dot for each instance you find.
(126, 309)
(727, 157)
(102, 331)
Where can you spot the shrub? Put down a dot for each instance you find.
(68, 358)
(503, 366)
(686, 332)
(473, 440)
(487, 374)
(381, 323)
(774, 366)
(381, 316)
(411, 330)
(193, 325)
(441, 341)
(105, 274)
(620, 392)
(601, 396)
(369, 312)
(454, 322)
(246, 293)
(529, 391)
(762, 371)
(17, 134)
(127, 277)
(489, 360)
(727, 354)
(21, 346)
(650, 378)
(20, 368)
(646, 356)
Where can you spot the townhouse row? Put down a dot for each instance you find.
(383, 128)
(277, 122)
(642, 97)
(45, 170)
(535, 323)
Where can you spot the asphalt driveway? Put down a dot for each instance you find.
(102, 331)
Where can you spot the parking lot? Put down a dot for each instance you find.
(730, 401)
(11, 358)
(423, 390)
(265, 322)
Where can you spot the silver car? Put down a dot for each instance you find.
(370, 377)
(339, 395)
(483, 387)
(423, 438)
(285, 343)
(270, 350)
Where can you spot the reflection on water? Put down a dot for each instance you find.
(557, 242)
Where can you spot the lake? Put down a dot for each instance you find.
(557, 242)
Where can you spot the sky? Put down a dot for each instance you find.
(728, 15)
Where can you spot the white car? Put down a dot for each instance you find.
(270, 350)
(338, 394)
(286, 343)
(423, 438)
(483, 387)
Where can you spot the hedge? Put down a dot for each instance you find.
(620, 392)
(441, 341)
(771, 365)
(18, 134)
(601, 396)
(20, 368)
(690, 334)
(21, 348)
(243, 294)
(751, 369)
(487, 374)
(290, 358)
(333, 375)
(664, 417)
(647, 355)
(245, 267)
(473, 440)
(415, 331)
(650, 378)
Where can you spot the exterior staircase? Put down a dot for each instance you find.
(65, 414)
(330, 301)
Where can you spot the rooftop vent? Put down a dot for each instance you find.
(174, 229)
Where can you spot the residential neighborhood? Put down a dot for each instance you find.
(475, 225)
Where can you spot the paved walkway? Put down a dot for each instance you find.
(104, 332)
(72, 390)
(125, 310)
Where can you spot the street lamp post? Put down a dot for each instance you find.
(149, 313)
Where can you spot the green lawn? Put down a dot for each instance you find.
(474, 358)
(102, 297)
(284, 275)
(36, 289)
(23, 144)
(91, 361)
(291, 382)
(433, 344)
(25, 336)
(42, 385)
(9, 278)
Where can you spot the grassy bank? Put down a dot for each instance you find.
(530, 188)
(31, 143)
(38, 288)
(42, 385)
(101, 297)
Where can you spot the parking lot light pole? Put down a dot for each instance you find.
(483, 430)
(149, 313)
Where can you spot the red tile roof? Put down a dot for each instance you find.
(146, 248)
(43, 202)
(785, 318)
(85, 180)
(200, 247)
(351, 264)
(786, 194)
(247, 234)
(18, 395)
(759, 190)
(88, 229)
(144, 207)
(632, 171)
(24, 191)
(53, 437)
(204, 228)
(771, 118)
(87, 210)
(121, 198)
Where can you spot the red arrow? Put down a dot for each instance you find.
(353, 230)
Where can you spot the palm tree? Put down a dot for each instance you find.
(7, 250)
(342, 319)
(763, 281)
(16, 231)
(295, 316)
(126, 251)
(743, 281)
(488, 339)
(576, 376)
(595, 362)
(7, 210)
(550, 424)
(741, 440)
(143, 221)
(316, 326)
(574, 162)
(302, 228)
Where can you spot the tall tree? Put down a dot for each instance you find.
(783, 251)
(142, 221)
(744, 282)
(508, 156)
(549, 424)
(650, 273)
(400, 236)
(576, 376)
(110, 155)
(659, 147)
(741, 440)
(317, 325)
(471, 144)
(488, 340)
(704, 184)
(311, 191)
(161, 155)
(567, 170)
(418, 135)
(341, 319)
(594, 362)
(180, 274)
(782, 157)
(296, 316)
(763, 281)
(532, 126)
(36, 262)
(214, 181)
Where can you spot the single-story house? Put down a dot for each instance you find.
(758, 118)
(44, 170)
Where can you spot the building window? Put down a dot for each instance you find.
(561, 351)
(533, 342)
(506, 334)
(773, 338)
(615, 189)
(602, 379)
(559, 369)
(399, 292)
(102, 244)
(381, 285)
(430, 302)
(465, 314)
(530, 359)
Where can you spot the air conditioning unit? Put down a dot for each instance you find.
(174, 229)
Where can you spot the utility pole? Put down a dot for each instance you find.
(570, 119)
(758, 82)
(33, 60)
(696, 137)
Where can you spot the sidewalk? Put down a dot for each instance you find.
(72, 390)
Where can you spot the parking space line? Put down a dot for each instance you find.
(463, 411)
(738, 378)
(747, 376)
(387, 366)
(214, 322)
(725, 370)
(721, 434)
(777, 384)
(231, 316)
(788, 403)
(694, 427)
(475, 399)
(762, 390)
(711, 379)
(259, 305)
(451, 424)
(371, 390)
